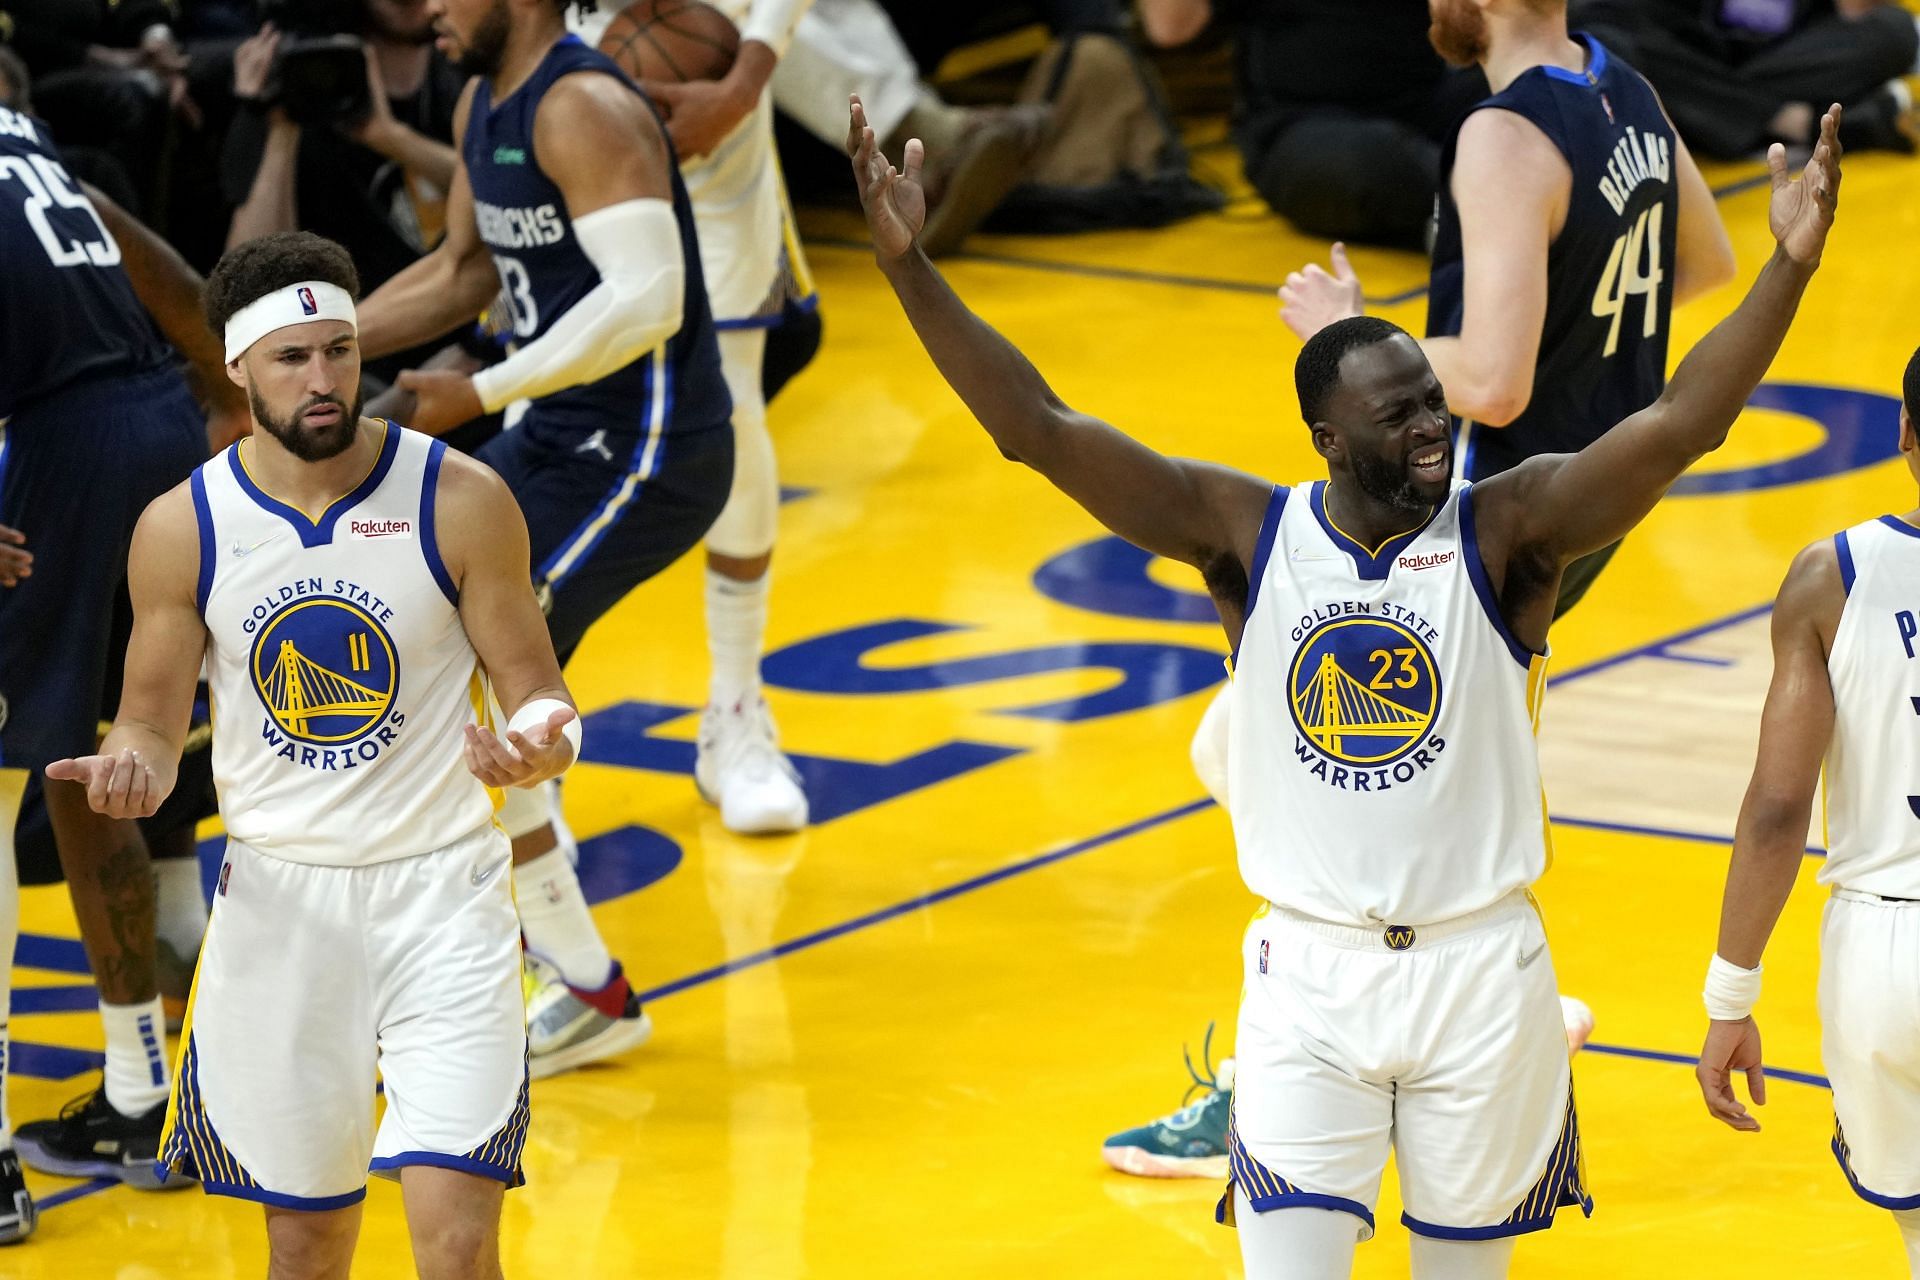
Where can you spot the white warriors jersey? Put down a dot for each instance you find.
(1381, 761)
(341, 677)
(1873, 760)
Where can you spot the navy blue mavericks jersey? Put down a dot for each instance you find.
(67, 310)
(1603, 346)
(522, 217)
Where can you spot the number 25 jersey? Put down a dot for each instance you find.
(1381, 763)
(1603, 340)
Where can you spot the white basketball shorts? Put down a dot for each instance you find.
(1870, 1040)
(315, 982)
(1442, 1043)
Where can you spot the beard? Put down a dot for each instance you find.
(1388, 483)
(480, 53)
(1458, 32)
(310, 444)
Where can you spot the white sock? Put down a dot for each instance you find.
(1295, 1244)
(1908, 1221)
(558, 926)
(137, 1077)
(12, 783)
(179, 904)
(1435, 1259)
(736, 629)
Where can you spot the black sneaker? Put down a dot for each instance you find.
(92, 1140)
(17, 1214)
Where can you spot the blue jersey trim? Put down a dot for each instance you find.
(1297, 1200)
(806, 306)
(1900, 526)
(1262, 552)
(1845, 553)
(1372, 564)
(1483, 585)
(1265, 1190)
(1896, 1203)
(311, 1204)
(1498, 1231)
(429, 545)
(203, 517)
(440, 1160)
(318, 533)
(1596, 63)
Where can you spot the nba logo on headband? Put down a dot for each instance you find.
(307, 304)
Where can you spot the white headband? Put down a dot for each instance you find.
(296, 304)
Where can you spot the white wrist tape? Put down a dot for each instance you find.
(301, 303)
(637, 305)
(771, 22)
(1731, 991)
(536, 712)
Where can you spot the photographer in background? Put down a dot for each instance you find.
(345, 130)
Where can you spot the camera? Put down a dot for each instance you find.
(320, 74)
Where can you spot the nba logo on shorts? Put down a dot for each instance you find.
(226, 873)
(1263, 954)
(307, 304)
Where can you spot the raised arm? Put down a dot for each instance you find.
(443, 290)
(1770, 840)
(136, 766)
(1189, 511)
(172, 292)
(486, 557)
(1557, 507)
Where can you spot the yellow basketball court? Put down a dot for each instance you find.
(892, 1046)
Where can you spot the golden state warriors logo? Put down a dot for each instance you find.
(325, 671)
(1364, 692)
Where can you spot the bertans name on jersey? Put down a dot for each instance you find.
(1636, 158)
(1364, 690)
(326, 670)
(518, 228)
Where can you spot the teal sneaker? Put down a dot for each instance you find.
(1190, 1143)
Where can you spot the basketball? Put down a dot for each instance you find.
(671, 41)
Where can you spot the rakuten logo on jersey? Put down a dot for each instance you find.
(380, 528)
(1427, 562)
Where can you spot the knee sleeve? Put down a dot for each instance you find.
(1461, 1259)
(746, 525)
(1295, 1244)
(524, 810)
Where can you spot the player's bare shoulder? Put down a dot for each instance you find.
(596, 112)
(166, 550)
(1814, 591)
(475, 514)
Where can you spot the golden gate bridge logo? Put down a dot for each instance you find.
(324, 670)
(1364, 690)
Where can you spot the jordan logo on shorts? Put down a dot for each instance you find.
(1263, 955)
(1399, 937)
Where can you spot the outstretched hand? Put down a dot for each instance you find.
(1802, 212)
(1732, 1047)
(895, 202)
(1312, 299)
(120, 786)
(443, 399)
(522, 759)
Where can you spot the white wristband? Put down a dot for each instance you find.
(536, 713)
(1731, 991)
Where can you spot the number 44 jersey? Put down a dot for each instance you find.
(522, 218)
(67, 310)
(1603, 341)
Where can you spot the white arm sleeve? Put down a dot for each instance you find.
(771, 22)
(637, 305)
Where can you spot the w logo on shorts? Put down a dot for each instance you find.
(1399, 937)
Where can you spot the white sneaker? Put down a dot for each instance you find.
(568, 1027)
(740, 768)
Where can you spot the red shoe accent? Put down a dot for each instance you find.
(610, 999)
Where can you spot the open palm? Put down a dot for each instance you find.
(1802, 211)
(895, 202)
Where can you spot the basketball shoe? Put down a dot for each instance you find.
(91, 1139)
(17, 1214)
(740, 768)
(1190, 1142)
(569, 1027)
